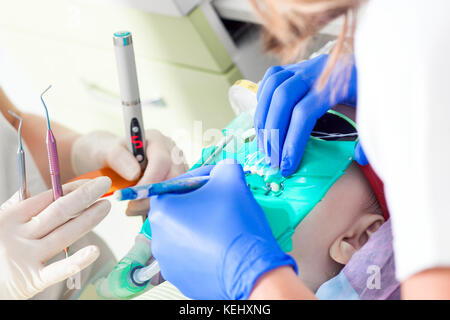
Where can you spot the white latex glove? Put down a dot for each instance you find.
(35, 230)
(100, 149)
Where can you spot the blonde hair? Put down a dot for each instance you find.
(290, 24)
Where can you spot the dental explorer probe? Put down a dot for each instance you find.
(21, 161)
(53, 161)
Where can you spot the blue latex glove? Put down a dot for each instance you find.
(360, 156)
(214, 242)
(288, 101)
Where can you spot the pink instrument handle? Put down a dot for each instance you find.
(53, 164)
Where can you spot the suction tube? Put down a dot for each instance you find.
(119, 283)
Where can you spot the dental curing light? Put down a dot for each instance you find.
(129, 93)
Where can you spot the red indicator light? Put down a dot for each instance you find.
(138, 143)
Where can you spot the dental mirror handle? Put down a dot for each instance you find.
(22, 175)
(129, 93)
(20, 160)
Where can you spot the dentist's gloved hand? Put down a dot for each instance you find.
(214, 242)
(288, 101)
(100, 149)
(35, 230)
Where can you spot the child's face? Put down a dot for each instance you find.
(336, 228)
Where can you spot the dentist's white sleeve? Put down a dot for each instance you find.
(403, 59)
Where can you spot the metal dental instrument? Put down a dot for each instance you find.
(171, 186)
(53, 161)
(21, 161)
(220, 146)
(52, 155)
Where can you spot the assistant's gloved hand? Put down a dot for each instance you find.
(100, 149)
(289, 102)
(214, 242)
(359, 155)
(35, 230)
